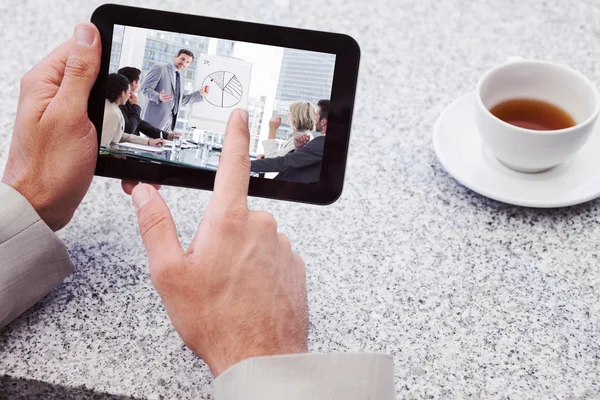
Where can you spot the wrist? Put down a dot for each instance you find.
(36, 196)
(218, 366)
(272, 133)
(230, 354)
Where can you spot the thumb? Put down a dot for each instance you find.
(156, 225)
(81, 67)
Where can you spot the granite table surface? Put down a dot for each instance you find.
(473, 298)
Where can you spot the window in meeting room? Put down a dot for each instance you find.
(117, 44)
(297, 68)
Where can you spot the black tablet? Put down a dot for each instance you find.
(168, 83)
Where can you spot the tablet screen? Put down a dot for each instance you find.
(169, 96)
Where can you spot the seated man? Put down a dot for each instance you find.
(134, 124)
(302, 165)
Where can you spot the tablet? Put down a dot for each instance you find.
(177, 76)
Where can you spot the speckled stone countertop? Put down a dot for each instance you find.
(474, 298)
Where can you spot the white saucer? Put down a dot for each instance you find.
(462, 153)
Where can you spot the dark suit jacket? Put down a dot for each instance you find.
(302, 165)
(134, 124)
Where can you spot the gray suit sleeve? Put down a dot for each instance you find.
(194, 97)
(310, 154)
(343, 376)
(150, 83)
(33, 260)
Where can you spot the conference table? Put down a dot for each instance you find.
(185, 157)
(189, 157)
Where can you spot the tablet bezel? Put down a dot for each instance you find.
(347, 52)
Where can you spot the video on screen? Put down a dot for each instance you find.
(169, 96)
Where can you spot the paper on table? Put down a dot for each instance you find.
(184, 145)
(142, 147)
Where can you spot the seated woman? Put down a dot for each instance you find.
(132, 111)
(113, 125)
(302, 120)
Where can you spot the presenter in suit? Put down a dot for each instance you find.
(237, 296)
(163, 88)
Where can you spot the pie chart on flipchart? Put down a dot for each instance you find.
(225, 89)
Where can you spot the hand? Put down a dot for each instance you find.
(133, 99)
(165, 97)
(205, 90)
(239, 291)
(275, 123)
(54, 147)
(300, 140)
(129, 185)
(260, 157)
(172, 135)
(156, 142)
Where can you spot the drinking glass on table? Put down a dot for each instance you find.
(177, 140)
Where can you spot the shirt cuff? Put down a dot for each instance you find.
(33, 260)
(309, 376)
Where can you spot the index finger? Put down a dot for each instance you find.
(233, 173)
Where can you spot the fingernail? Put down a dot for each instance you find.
(84, 35)
(244, 115)
(141, 195)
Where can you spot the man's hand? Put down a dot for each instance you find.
(205, 90)
(133, 99)
(172, 135)
(300, 140)
(274, 124)
(239, 291)
(54, 146)
(156, 142)
(260, 157)
(163, 97)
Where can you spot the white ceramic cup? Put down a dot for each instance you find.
(527, 150)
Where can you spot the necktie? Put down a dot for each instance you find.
(177, 93)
